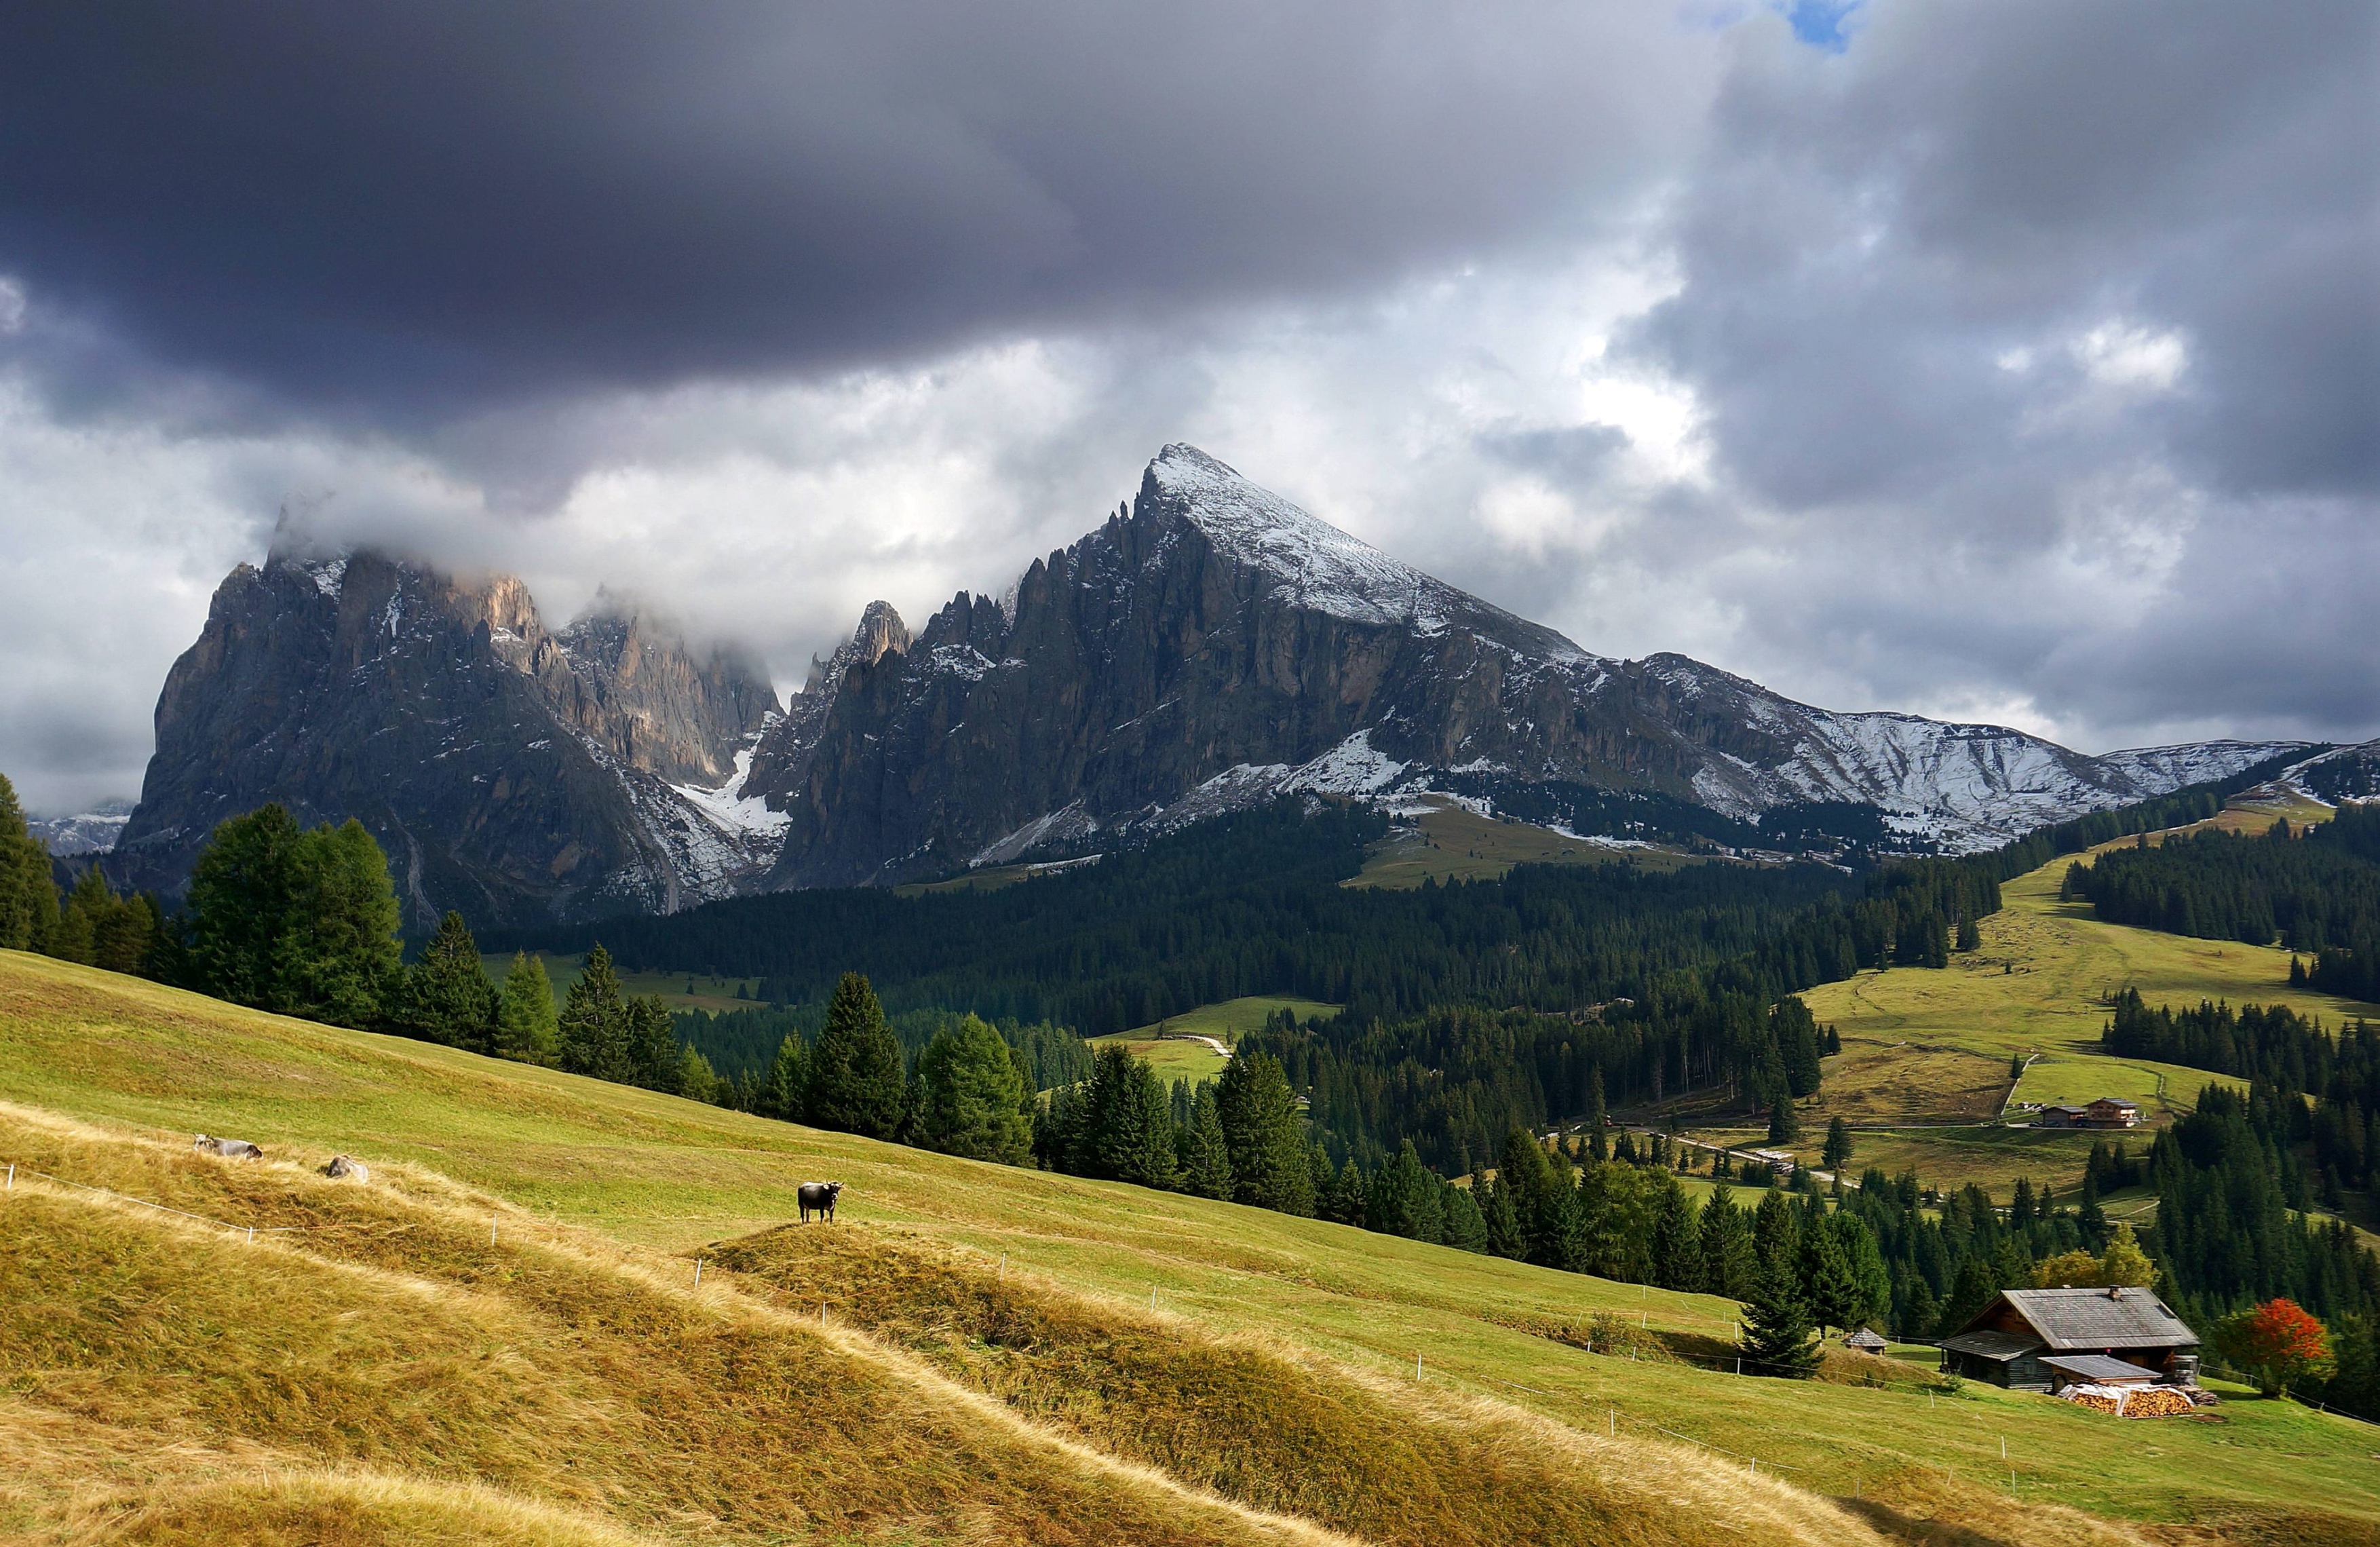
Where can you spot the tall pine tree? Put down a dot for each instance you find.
(1776, 1338)
(593, 1027)
(970, 1095)
(527, 1028)
(1270, 1166)
(28, 896)
(856, 1079)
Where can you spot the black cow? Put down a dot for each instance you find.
(819, 1196)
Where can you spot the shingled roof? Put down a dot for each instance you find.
(2098, 1319)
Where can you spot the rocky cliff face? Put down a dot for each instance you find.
(1212, 645)
(510, 772)
(1208, 647)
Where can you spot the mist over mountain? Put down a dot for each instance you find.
(1208, 647)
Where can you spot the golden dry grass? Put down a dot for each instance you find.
(1251, 1419)
(384, 1336)
(454, 1140)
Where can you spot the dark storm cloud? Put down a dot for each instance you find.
(413, 202)
(2051, 331)
(1868, 238)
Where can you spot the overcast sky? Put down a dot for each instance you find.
(2016, 362)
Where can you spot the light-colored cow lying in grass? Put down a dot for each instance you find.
(229, 1149)
(348, 1167)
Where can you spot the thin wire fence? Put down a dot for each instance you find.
(250, 1231)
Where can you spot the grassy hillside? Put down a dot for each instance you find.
(1930, 1047)
(1173, 1059)
(990, 1366)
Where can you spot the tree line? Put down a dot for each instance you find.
(2237, 1177)
(2315, 890)
(1248, 904)
(2326, 1089)
(90, 924)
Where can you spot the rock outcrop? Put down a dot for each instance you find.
(1212, 645)
(510, 772)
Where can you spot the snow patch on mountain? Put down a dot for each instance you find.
(91, 832)
(1313, 565)
(1068, 824)
(1353, 767)
(732, 811)
(2164, 768)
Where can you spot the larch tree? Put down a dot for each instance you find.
(971, 1097)
(526, 1027)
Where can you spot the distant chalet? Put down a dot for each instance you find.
(2108, 1112)
(2040, 1339)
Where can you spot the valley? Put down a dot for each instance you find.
(1925, 1053)
(601, 1195)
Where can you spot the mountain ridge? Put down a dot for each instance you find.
(1208, 647)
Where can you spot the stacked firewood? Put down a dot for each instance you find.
(2131, 1401)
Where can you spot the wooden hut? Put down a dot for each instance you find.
(2010, 1341)
(1865, 1340)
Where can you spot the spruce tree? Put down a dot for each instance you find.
(1265, 1136)
(1784, 1122)
(1796, 1031)
(1206, 1156)
(1776, 1232)
(1404, 1199)
(447, 997)
(782, 1094)
(1463, 1226)
(593, 1026)
(1838, 1151)
(1504, 1236)
(337, 957)
(2091, 1219)
(1676, 1255)
(1348, 1189)
(526, 1027)
(1921, 1318)
(1729, 1266)
(1832, 1299)
(28, 894)
(654, 1060)
(1776, 1338)
(1973, 1290)
(856, 1083)
(1595, 1112)
(242, 889)
(971, 1095)
(1323, 1173)
(1871, 1301)
(1128, 1125)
